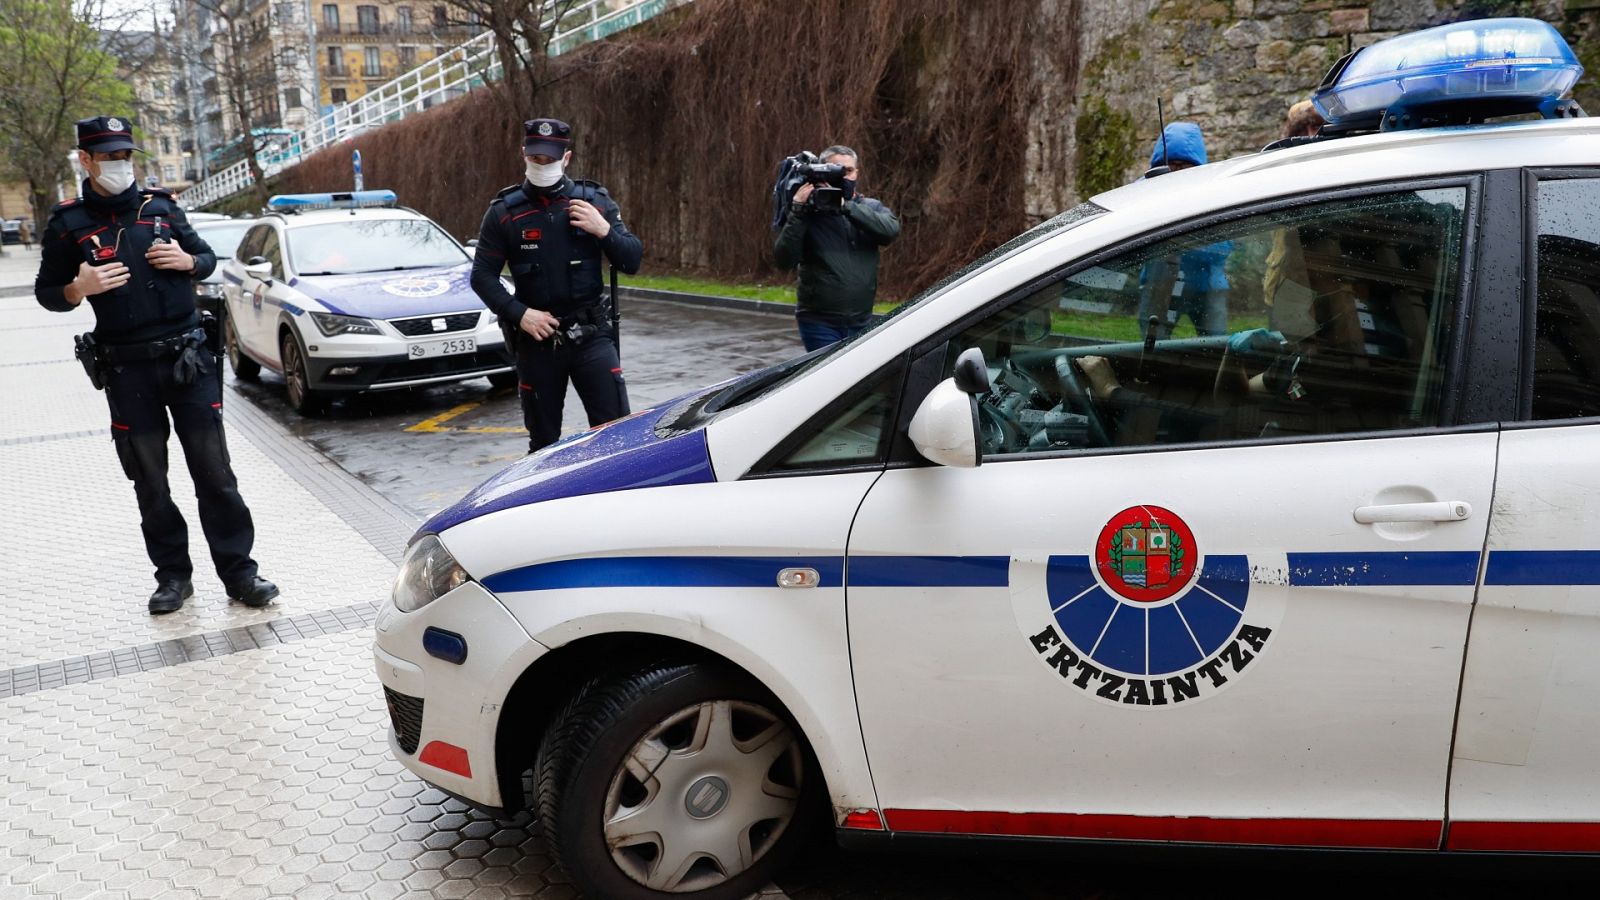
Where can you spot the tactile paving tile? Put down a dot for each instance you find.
(77, 573)
(256, 775)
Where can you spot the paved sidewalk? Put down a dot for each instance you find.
(220, 751)
(18, 266)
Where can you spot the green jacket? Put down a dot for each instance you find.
(837, 256)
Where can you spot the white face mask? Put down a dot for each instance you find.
(545, 176)
(116, 175)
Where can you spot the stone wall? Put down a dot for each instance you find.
(1235, 66)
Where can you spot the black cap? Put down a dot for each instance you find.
(551, 137)
(105, 134)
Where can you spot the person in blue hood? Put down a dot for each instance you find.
(1192, 283)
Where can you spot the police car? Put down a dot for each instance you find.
(347, 292)
(1020, 564)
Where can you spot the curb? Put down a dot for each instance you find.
(7, 293)
(768, 307)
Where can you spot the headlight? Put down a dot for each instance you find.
(212, 291)
(333, 325)
(427, 573)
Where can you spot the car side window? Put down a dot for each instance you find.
(1566, 355)
(250, 247)
(1323, 318)
(272, 251)
(853, 433)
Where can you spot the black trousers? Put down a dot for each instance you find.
(141, 396)
(543, 370)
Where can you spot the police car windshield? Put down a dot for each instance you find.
(371, 245)
(760, 383)
(223, 236)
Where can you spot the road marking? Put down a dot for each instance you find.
(437, 424)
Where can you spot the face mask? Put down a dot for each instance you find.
(116, 175)
(545, 176)
(849, 188)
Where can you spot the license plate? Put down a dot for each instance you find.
(451, 347)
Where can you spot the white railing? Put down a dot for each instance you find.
(466, 67)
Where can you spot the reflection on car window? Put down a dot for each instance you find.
(1566, 357)
(855, 435)
(1322, 319)
(372, 245)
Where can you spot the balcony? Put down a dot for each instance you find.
(418, 29)
(336, 71)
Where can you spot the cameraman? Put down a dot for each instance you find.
(837, 253)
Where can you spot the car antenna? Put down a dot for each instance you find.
(1161, 122)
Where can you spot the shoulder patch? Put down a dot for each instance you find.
(157, 192)
(66, 203)
(504, 191)
(595, 186)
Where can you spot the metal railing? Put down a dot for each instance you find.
(466, 67)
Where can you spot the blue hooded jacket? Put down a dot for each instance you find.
(1184, 143)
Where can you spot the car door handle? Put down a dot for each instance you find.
(1438, 511)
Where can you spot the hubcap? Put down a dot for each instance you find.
(704, 794)
(292, 375)
(233, 348)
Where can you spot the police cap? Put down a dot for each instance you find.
(550, 137)
(105, 134)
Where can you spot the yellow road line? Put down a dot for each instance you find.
(437, 424)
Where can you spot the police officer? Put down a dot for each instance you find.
(133, 256)
(551, 232)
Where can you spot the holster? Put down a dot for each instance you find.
(85, 350)
(213, 329)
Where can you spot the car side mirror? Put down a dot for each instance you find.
(473, 243)
(259, 268)
(945, 427)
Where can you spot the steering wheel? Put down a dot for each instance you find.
(1082, 398)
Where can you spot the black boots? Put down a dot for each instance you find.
(169, 597)
(255, 593)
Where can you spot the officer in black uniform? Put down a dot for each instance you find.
(133, 256)
(551, 232)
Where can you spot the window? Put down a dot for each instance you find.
(291, 98)
(373, 63)
(169, 172)
(272, 252)
(441, 17)
(367, 18)
(250, 247)
(166, 145)
(1324, 318)
(1566, 355)
(854, 433)
(330, 17)
(402, 16)
(408, 58)
(372, 245)
(335, 59)
(339, 95)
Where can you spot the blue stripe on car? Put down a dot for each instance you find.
(1459, 567)
(1536, 567)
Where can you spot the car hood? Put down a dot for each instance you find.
(618, 456)
(394, 295)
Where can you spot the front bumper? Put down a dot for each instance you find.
(391, 372)
(444, 716)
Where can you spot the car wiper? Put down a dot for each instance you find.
(303, 274)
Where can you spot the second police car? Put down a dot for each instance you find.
(1026, 561)
(348, 292)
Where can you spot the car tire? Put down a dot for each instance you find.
(729, 793)
(502, 381)
(297, 379)
(244, 368)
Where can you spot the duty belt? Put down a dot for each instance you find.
(116, 354)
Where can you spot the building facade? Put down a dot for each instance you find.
(361, 45)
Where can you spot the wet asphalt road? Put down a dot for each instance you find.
(426, 447)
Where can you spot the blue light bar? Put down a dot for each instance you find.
(348, 200)
(1502, 63)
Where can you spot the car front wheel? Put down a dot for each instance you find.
(675, 780)
(297, 378)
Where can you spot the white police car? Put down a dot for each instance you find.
(1327, 579)
(346, 292)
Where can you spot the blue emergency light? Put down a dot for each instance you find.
(1462, 72)
(347, 200)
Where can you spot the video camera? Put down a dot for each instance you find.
(806, 168)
